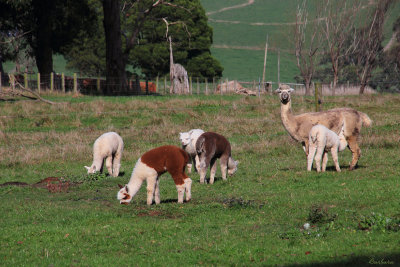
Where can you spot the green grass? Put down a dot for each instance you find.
(254, 218)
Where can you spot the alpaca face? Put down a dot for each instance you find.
(232, 166)
(284, 92)
(92, 169)
(185, 138)
(123, 195)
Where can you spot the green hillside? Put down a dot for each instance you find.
(240, 35)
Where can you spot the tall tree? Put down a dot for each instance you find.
(115, 61)
(50, 24)
(370, 43)
(307, 42)
(337, 25)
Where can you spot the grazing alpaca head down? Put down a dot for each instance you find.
(150, 166)
(109, 146)
(210, 146)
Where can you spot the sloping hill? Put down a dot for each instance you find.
(240, 30)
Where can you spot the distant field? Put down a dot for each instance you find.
(248, 26)
(255, 218)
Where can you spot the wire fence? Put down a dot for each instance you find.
(160, 85)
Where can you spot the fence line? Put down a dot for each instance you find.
(161, 85)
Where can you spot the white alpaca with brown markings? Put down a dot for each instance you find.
(321, 141)
(150, 167)
(109, 146)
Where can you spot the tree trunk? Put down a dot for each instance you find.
(43, 50)
(115, 61)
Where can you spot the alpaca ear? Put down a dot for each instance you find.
(278, 91)
(236, 162)
(120, 186)
(291, 90)
(127, 189)
(94, 168)
(86, 167)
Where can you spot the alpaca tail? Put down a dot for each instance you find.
(366, 121)
(200, 145)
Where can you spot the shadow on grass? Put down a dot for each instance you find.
(364, 260)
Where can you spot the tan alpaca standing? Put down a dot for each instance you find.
(322, 140)
(299, 126)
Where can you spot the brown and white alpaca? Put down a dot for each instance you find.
(321, 141)
(150, 166)
(108, 146)
(211, 146)
(299, 126)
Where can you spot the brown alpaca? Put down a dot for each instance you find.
(299, 126)
(150, 166)
(211, 146)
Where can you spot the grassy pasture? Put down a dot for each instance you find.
(254, 218)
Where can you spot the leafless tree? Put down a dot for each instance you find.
(307, 41)
(369, 42)
(337, 25)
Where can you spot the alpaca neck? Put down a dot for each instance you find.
(288, 120)
(134, 184)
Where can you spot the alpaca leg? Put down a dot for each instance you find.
(116, 164)
(318, 157)
(213, 170)
(181, 192)
(324, 161)
(355, 150)
(157, 197)
(188, 189)
(224, 166)
(334, 152)
(151, 185)
(310, 157)
(203, 169)
(189, 165)
(197, 163)
(109, 165)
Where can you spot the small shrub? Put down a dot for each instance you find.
(377, 222)
(319, 214)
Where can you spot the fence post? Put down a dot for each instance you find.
(156, 84)
(316, 88)
(51, 81)
(165, 85)
(220, 86)
(75, 84)
(259, 85)
(198, 86)
(190, 85)
(26, 80)
(205, 80)
(38, 82)
(12, 78)
(63, 82)
(98, 85)
(214, 89)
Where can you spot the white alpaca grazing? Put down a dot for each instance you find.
(188, 140)
(321, 140)
(108, 146)
(150, 167)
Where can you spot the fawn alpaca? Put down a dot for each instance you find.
(150, 166)
(211, 146)
(321, 140)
